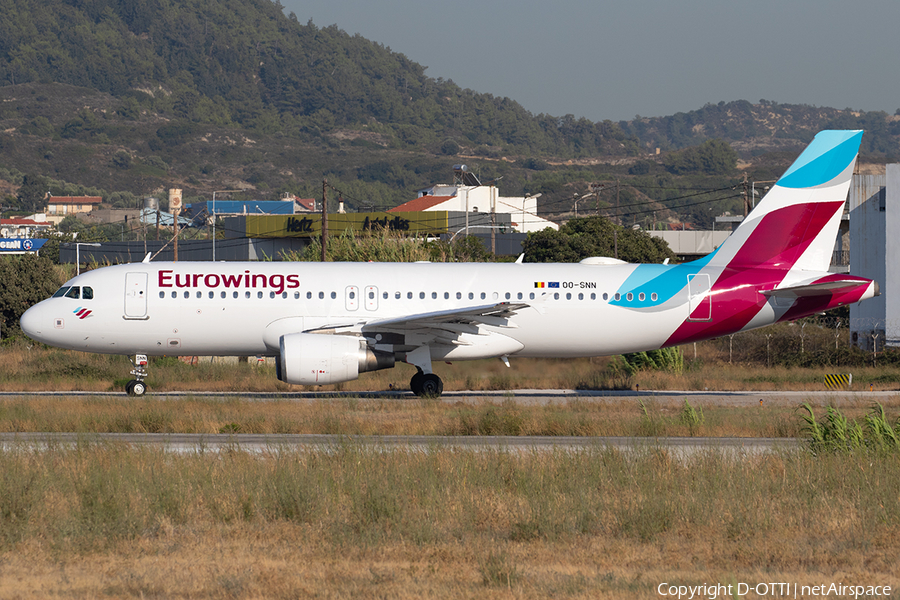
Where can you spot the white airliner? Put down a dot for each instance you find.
(329, 322)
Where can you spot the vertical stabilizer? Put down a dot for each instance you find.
(795, 225)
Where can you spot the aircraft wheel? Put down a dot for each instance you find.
(135, 388)
(415, 384)
(431, 386)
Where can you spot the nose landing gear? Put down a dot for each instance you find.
(137, 387)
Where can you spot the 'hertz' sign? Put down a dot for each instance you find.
(310, 225)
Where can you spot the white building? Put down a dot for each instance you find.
(468, 195)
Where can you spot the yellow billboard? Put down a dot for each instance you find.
(309, 224)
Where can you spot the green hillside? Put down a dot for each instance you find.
(244, 62)
(124, 98)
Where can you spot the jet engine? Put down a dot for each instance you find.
(319, 359)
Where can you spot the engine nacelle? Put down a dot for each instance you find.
(318, 359)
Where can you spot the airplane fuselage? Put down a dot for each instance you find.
(241, 308)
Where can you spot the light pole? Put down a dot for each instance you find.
(213, 217)
(78, 246)
(524, 201)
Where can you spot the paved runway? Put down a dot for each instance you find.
(199, 442)
(540, 397)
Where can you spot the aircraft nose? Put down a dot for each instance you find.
(32, 322)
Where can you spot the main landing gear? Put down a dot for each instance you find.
(137, 387)
(424, 382)
(428, 385)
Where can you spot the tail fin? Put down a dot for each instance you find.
(795, 225)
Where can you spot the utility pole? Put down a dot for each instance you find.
(746, 195)
(175, 207)
(616, 224)
(493, 223)
(212, 218)
(324, 218)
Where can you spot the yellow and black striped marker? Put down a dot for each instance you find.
(835, 381)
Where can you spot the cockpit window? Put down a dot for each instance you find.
(61, 292)
(74, 292)
(87, 293)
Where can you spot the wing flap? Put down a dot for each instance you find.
(497, 314)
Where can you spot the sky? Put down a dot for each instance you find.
(618, 59)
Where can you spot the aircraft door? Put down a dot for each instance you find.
(371, 297)
(136, 296)
(351, 297)
(700, 300)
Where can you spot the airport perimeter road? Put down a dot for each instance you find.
(190, 442)
(538, 397)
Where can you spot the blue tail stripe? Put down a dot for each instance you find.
(829, 154)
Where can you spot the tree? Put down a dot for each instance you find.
(32, 192)
(712, 157)
(594, 236)
(27, 280)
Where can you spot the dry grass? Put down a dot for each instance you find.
(111, 522)
(39, 369)
(353, 416)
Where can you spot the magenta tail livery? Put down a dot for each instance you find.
(328, 322)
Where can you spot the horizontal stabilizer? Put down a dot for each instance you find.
(823, 288)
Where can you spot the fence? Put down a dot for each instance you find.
(809, 342)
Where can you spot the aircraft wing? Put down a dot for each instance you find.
(489, 314)
(457, 320)
(443, 327)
